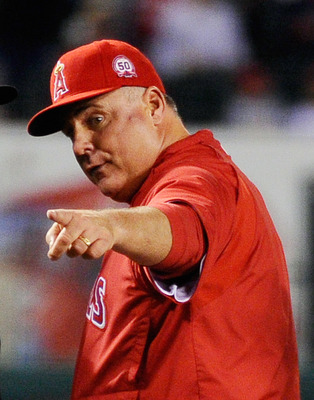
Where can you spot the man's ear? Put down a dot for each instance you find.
(156, 103)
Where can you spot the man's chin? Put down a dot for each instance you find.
(122, 193)
(114, 194)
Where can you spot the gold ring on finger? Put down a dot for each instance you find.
(85, 240)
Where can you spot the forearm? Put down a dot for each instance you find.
(141, 233)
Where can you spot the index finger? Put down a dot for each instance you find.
(62, 217)
(59, 237)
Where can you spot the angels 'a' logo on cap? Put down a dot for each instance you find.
(60, 86)
(124, 67)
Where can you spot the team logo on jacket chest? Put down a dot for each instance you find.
(96, 311)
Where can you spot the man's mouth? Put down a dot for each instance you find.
(98, 172)
(94, 172)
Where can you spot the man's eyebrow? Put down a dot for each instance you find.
(80, 108)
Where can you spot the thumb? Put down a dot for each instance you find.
(62, 217)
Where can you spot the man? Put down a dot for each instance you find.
(192, 301)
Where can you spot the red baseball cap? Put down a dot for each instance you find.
(7, 94)
(88, 71)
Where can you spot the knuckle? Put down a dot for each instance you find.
(48, 238)
(64, 240)
(81, 219)
(78, 246)
(93, 253)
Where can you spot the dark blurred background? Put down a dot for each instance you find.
(214, 56)
(247, 64)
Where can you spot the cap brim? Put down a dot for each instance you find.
(51, 119)
(7, 94)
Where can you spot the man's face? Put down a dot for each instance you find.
(115, 140)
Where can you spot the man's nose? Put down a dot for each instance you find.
(82, 141)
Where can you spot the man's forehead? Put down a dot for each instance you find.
(105, 100)
(82, 105)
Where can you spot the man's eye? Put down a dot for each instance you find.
(96, 120)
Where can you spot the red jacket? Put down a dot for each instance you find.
(217, 329)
